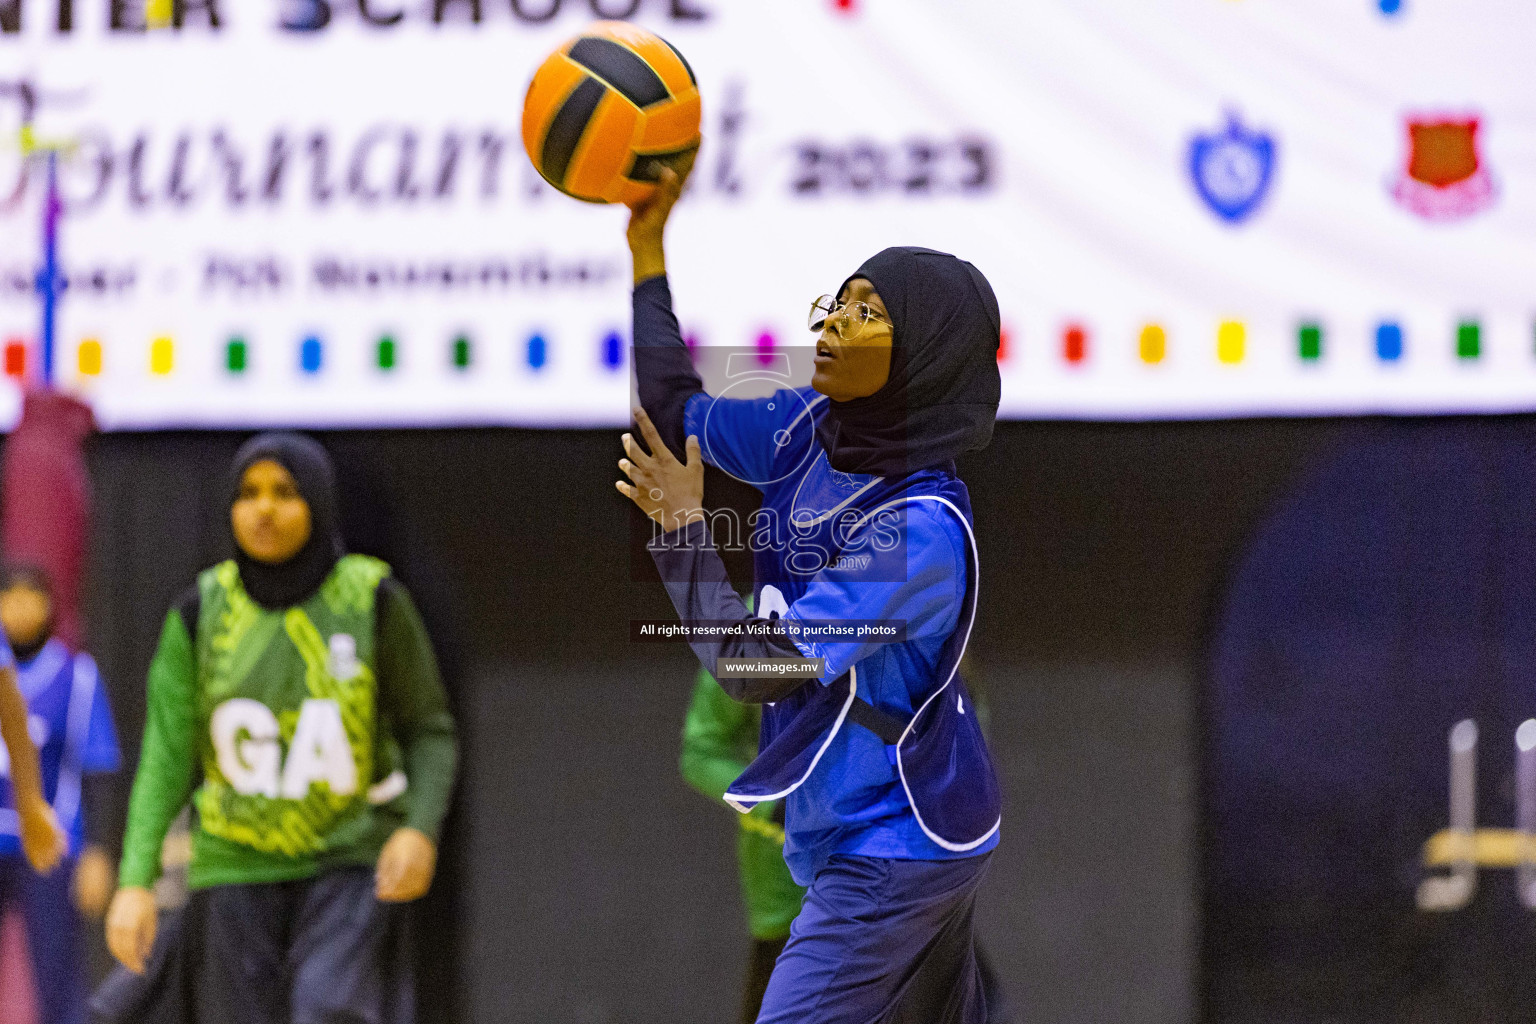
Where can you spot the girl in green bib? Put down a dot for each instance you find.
(297, 683)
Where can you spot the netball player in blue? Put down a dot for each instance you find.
(77, 746)
(892, 803)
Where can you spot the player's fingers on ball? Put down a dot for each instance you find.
(692, 451)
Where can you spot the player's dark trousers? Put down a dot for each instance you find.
(320, 951)
(53, 936)
(882, 942)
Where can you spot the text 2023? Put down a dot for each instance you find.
(915, 167)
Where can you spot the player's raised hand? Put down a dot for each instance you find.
(669, 491)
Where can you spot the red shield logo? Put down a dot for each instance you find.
(1444, 178)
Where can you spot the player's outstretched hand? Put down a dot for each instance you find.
(648, 220)
(670, 492)
(42, 840)
(406, 865)
(131, 926)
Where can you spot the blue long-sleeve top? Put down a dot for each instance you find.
(854, 802)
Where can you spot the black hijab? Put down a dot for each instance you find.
(292, 582)
(941, 398)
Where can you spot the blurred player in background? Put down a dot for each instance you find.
(301, 684)
(719, 741)
(25, 812)
(71, 723)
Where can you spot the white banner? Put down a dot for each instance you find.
(319, 213)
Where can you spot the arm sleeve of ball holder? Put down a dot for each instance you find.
(735, 435)
(663, 368)
(696, 580)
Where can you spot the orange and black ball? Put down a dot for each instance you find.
(608, 110)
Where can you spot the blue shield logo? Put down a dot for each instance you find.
(1232, 169)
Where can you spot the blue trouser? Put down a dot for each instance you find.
(882, 942)
(53, 935)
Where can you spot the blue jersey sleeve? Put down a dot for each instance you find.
(753, 438)
(7, 656)
(99, 751)
(918, 579)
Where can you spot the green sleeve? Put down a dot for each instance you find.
(167, 759)
(411, 693)
(719, 738)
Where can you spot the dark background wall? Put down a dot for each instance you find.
(582, 881)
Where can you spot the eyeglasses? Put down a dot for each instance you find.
(848, 320)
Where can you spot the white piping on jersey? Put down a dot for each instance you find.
(805, 410)
(900, 768)
(746, 803)
(832, 512)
